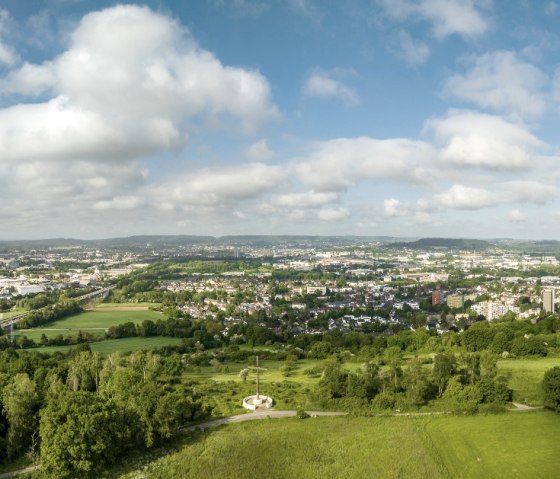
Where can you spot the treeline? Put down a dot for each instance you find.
(517, 338)
(50, 313)
(79, 414)
(203, 333)
(464, 383)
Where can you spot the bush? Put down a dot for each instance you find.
(551, 388)
(384, 401)
(301, 414)
(492, 408)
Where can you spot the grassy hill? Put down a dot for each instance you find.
(505, 446)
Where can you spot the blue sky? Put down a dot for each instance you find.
(366, 117)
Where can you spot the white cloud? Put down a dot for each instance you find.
(259, 151)
(467, 198)
(412, 52)
(422, 218)
(305, 200)
(503, 82)
(7, 56)
(118, 203)
(218, 187)
(477, 140)
(528, 191)
(127, 86)
(323, 84)
(392, 207)
(339, 164)
(333, 214)
(447, 17)
(474, 198)
(517, 216)
(462, 17)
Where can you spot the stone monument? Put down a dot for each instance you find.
(257, 401)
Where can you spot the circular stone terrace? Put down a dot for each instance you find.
(255, 402)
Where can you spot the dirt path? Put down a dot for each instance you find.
(524, 407)
(257, 415)
(19, 472)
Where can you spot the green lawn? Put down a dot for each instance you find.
(120, 345)
(525, 377)
(291, 448)
(505, 446)
(94, 322)
(13, 312)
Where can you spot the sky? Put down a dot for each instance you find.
(222, 117)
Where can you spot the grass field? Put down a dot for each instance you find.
(93, 322)
(514, 445)
(506, 446)
(120, 345)
(12, 312)
(525, 377)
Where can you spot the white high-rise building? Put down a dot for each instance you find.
(548, 300)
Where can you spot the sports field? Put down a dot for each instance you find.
(93, 322)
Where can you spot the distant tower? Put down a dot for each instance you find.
(548, 300)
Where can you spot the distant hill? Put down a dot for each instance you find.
(444, 243)
(162, 242)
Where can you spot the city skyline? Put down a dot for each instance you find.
(402, 118)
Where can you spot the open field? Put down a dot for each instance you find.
(512, 445)
(504, 446)
(120, 345)
(13, 312)
(93, 322)
(525, 377)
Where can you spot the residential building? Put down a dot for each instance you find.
(548, 300)
(455, 300)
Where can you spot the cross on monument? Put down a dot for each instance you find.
(257, 369)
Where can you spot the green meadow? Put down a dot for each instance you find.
(518, 444)
(93, 322)
(505, 446)
(123, 345)
(525, 377)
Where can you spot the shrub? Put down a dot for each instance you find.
(384, 401)
(301, 414)
(551, 388)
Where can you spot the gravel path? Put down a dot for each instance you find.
(27, 470)
(257, 415)
(524, 407)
